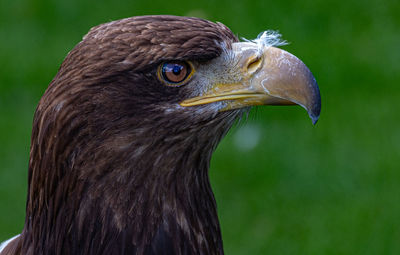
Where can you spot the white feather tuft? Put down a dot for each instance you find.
(267, 39)
(5, 243)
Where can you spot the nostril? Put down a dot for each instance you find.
(254, 64)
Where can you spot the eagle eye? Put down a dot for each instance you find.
(175, 73)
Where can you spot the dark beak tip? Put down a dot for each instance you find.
(315, 112)
(314, 119)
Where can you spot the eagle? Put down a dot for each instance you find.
(123, 136)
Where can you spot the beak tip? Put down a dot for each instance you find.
(315, 109)
(314, 119)
(314, 113)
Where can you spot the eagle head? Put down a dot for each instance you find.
(123, 136)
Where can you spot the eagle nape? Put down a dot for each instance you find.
(123, 136)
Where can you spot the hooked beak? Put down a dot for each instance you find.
(268, 76)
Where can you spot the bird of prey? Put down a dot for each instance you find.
(123, 136)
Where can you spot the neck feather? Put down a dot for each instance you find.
(124, 194)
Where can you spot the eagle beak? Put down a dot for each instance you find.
(267, 76)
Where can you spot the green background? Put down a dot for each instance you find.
(332, 188)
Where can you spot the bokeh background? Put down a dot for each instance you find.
(282, 185)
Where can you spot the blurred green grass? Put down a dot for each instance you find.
(329, 189)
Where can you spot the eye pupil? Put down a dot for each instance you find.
(177, 69)
(175, 72)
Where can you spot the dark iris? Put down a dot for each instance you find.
(175, 72)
